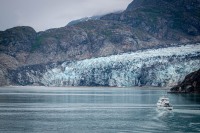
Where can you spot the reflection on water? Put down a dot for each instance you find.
(33, 109)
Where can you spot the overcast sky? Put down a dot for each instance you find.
(46, 14)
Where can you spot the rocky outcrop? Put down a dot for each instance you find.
(164, 19)
(17, 39)
(30, 75)
(191, 84)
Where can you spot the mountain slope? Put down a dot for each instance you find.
(164, 19)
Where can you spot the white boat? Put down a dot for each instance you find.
(163, 103)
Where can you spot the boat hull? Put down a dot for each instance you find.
(164, 108)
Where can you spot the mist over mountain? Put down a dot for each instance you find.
(145, 24)
(83, 20)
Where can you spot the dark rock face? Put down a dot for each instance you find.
(191, 84)
(29, 75)
(17, 39)
(164, 19)
(15, 46)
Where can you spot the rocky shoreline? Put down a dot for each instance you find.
(191, 84)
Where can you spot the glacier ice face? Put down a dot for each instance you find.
(155, 67)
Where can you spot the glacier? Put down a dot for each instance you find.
(153, 67)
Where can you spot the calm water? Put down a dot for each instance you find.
(100, 110)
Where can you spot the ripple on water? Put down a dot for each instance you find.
(94, 110)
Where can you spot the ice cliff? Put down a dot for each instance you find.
(154, 67)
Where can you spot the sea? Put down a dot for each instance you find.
(33, 109)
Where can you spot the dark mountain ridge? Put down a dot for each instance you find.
(162, 18)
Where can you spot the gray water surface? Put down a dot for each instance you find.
(99, 110)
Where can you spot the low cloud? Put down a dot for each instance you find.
(46, 14)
